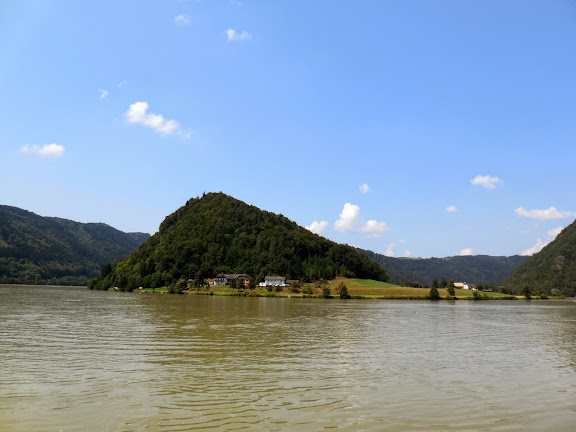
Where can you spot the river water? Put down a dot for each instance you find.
(78, 360)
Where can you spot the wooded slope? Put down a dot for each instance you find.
(554, 267)
(37, 249)
(218, 233)
(472, 269)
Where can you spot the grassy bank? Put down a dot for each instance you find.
(357, 288)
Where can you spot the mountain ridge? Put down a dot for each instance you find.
(44, 249)
(484, 269)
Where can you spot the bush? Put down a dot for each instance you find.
(326, 293)
(342, 291)
(434, 294)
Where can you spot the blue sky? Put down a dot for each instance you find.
(414, 128)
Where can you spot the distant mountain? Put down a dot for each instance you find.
(37, 249)
(554, 267)
(217, 233)
(473, 269)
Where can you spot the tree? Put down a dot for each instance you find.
(342, 291)
(178, 287)
(239, 284)
(435, 284)
(252, 284)
(199, 282)
(326, 292)
(294, 287)
(527, 292)
(434, 294)
(451, 291)
(451, 283)
(443, 283)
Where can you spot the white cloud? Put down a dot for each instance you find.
(317, 227)
(534, 249)
(539, 245)
(390, 251)
(373, 226)
(546, 214)
(182, 19)
(103, 93)
(451, 209)
(233, 35)
(467, 251)
(554, 232)
(121, 84)
(364, 188)
(407, 253)
(350, 220)
(48, 150)
(489, 182)
(137, 114)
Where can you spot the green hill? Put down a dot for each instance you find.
(217, 233)
(554, 267)
(41, 250)
(473, 269)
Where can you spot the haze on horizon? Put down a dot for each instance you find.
(408, 128)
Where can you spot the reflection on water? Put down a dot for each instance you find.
(73, 359)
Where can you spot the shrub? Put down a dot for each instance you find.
(434, 294)
(342, 291)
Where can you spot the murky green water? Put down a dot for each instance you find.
(77, 360)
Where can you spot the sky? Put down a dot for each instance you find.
(410, 128)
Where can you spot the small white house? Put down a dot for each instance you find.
(464, 285)
(274, 281)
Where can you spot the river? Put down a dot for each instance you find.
(78, 360)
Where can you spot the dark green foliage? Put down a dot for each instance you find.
(178, 287)
(527, 292)
(435, 284)
(217, 233)
(554, 267)
(473, 269)
(342, 291)
(42, 250)
(434, 294)
(451, 291)
(326, 293)
(294, 287)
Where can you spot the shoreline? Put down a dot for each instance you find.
(373, 290)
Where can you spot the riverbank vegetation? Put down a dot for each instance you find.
(339, 287)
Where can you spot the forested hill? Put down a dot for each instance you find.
(473, 269)
(217, 233)
(554, 267)
(41, 250)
